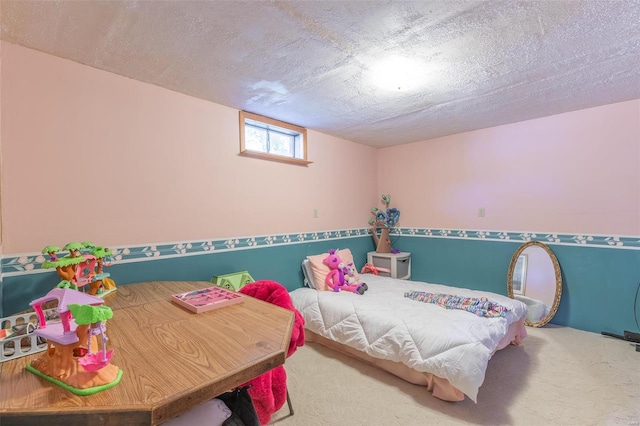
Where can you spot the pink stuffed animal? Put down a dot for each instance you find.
(335, 278)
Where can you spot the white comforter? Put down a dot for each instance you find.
(449, 343)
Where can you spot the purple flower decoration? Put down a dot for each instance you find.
(382, 218)
(393, 215)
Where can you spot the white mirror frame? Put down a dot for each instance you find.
(558, 275)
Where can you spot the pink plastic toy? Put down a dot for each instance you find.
(74, 359)
(371, 269)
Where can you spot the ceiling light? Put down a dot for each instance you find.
(398, 73)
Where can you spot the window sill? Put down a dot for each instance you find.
(279, 158)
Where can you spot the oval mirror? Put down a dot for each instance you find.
(534, 278)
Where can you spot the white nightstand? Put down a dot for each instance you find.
(398, 263)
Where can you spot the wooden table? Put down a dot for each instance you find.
(172, 360)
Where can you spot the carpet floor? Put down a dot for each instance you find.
(559, 376)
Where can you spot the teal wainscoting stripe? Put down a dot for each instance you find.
(581, 240)
(31, 262)
(600, 273)
(599, 280)
(278, 262)
(467, 263)
(599, 288)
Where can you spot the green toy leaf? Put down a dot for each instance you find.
(87, 314)
(73, 246)
(100, 252)
(61, 263)
(64, 284)
(50, 249)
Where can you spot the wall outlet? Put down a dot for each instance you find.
(481, 212)
(315, 213)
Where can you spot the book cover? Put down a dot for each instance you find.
(207, 299)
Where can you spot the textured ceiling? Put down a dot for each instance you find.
(480, 64)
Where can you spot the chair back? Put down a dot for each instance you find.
(276, 294)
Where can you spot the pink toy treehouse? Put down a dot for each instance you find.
(74, 359)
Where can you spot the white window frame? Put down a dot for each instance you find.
(276, 125)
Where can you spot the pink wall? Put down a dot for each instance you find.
(1, 62)
(90, 155)
(577, 172)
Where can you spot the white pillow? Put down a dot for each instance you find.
(308, 274)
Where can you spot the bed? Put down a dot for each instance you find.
(446, 350)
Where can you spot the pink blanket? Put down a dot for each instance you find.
(269, 390)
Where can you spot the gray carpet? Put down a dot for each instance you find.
(559, 376)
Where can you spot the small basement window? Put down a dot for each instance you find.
(264, 137)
